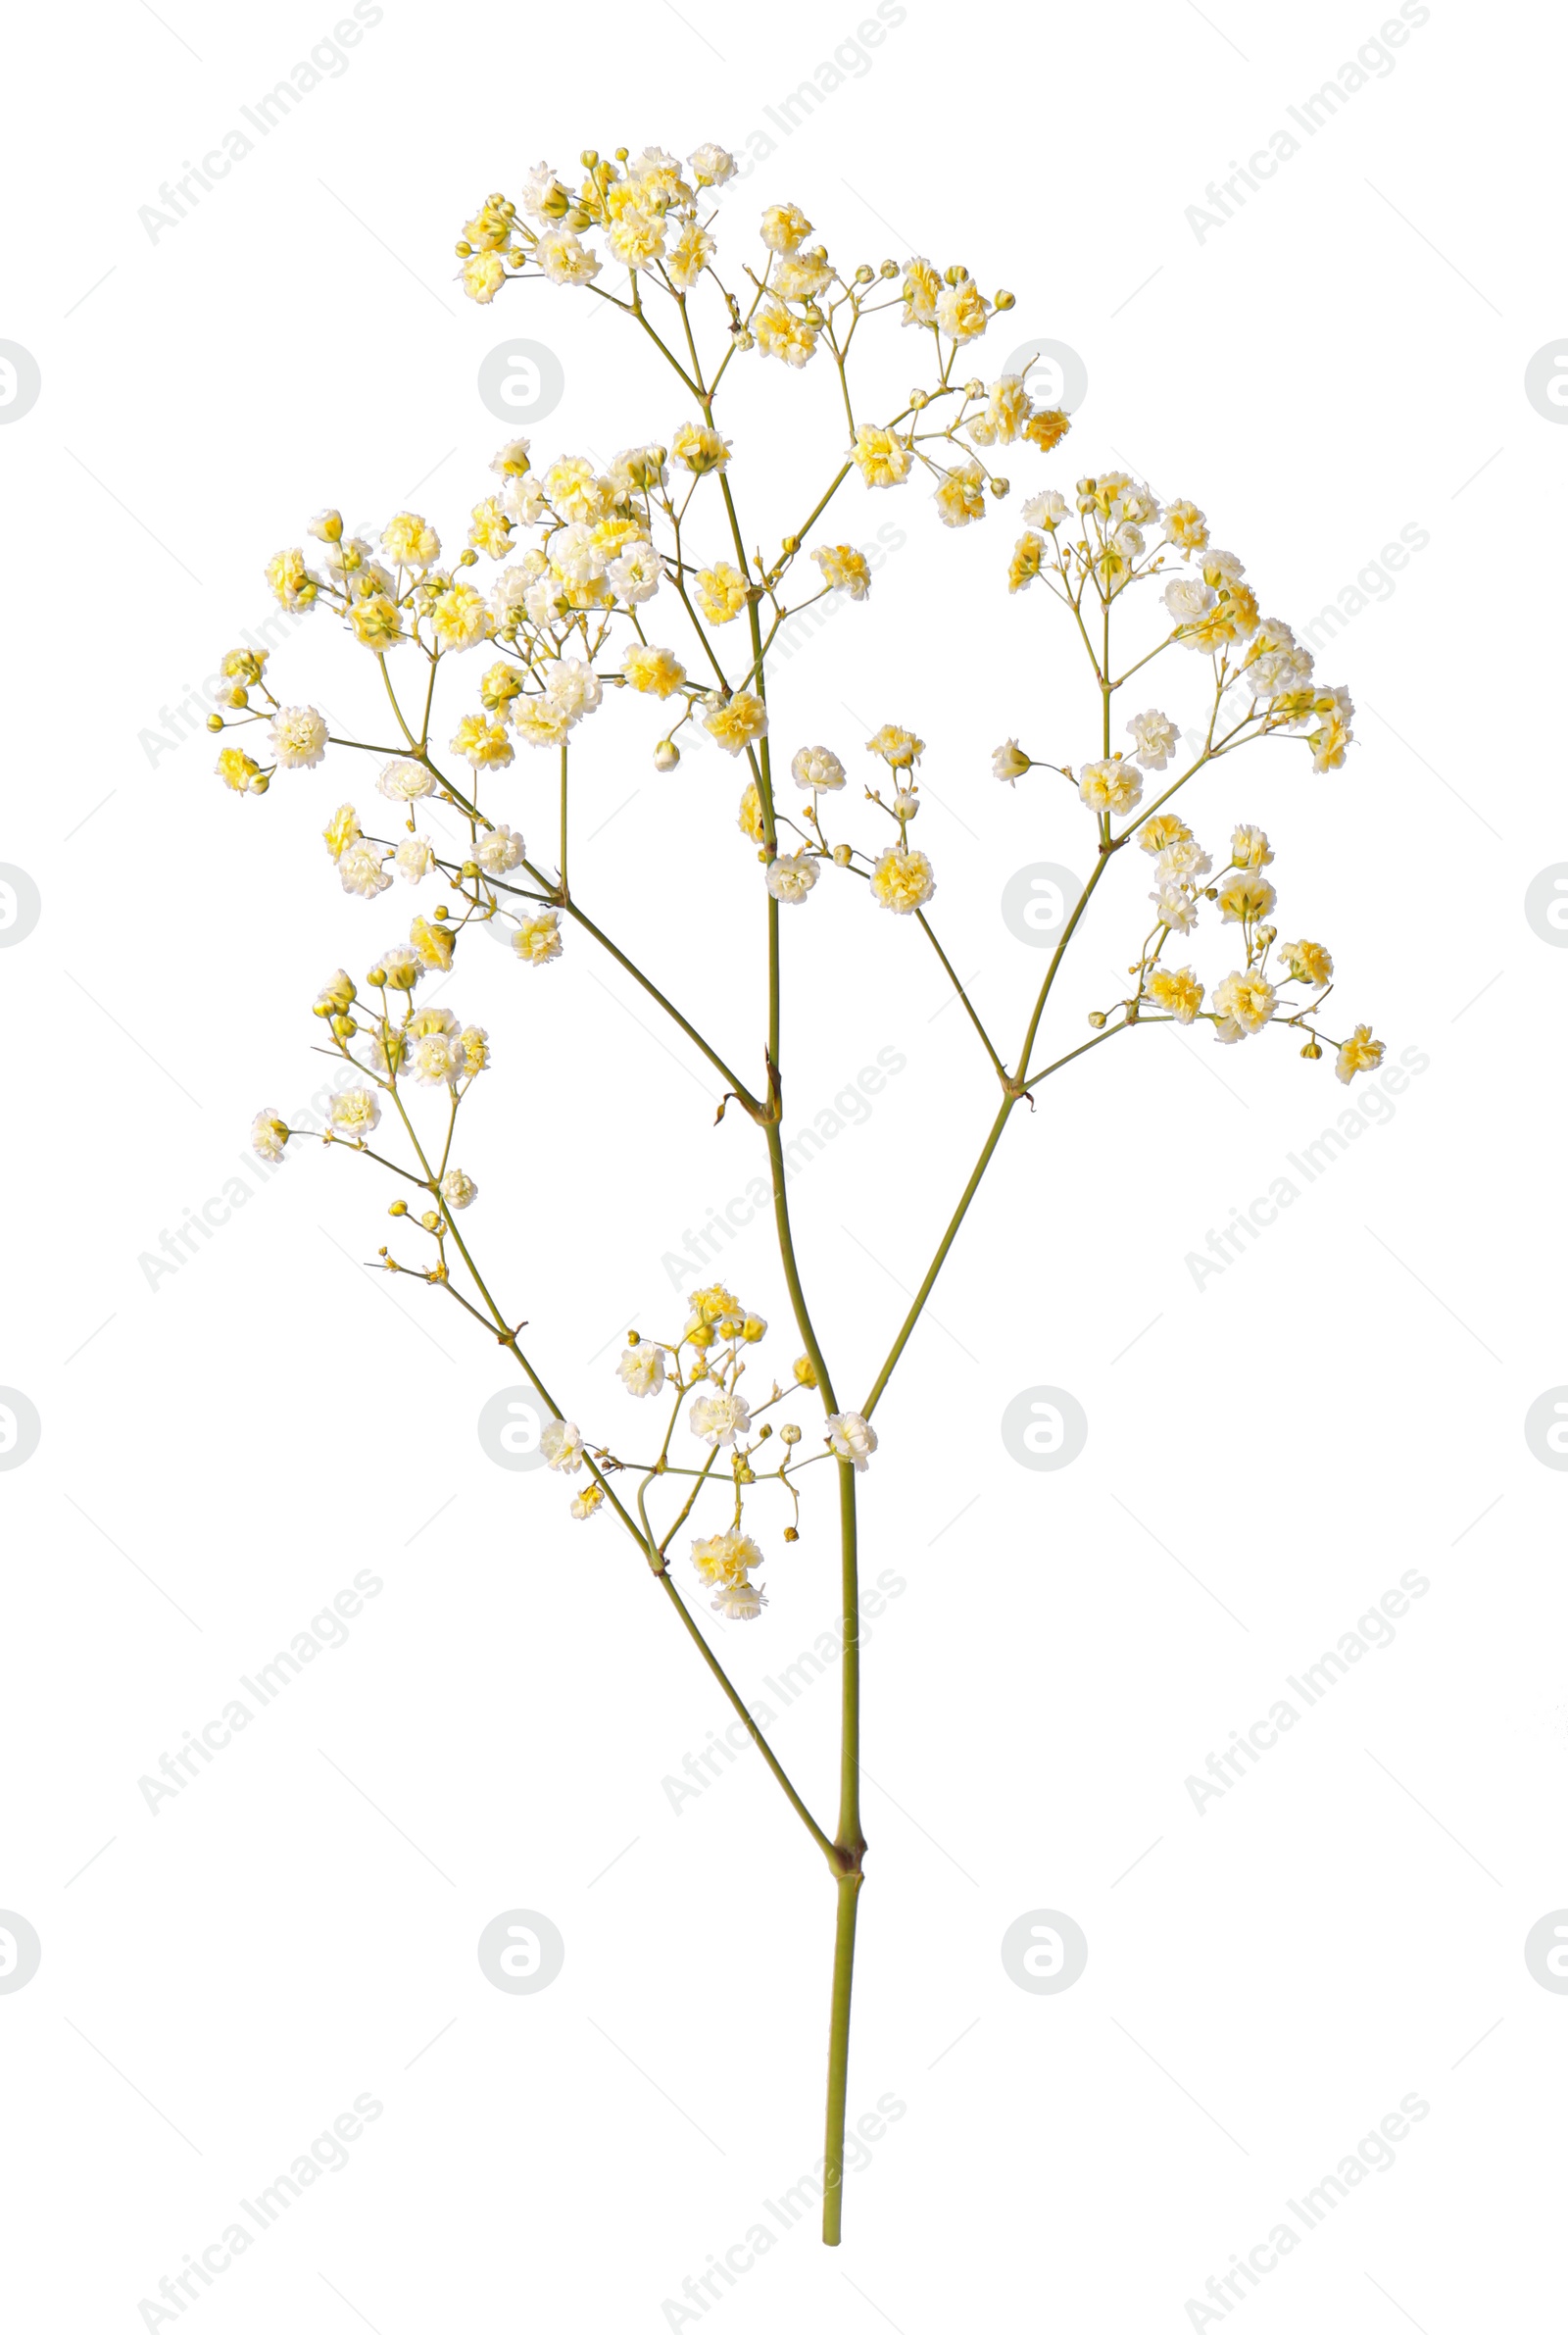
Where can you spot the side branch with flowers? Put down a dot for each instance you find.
(579, 556)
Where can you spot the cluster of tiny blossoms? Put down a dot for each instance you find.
(1088, 554)
(578, 582)
(701, 1374)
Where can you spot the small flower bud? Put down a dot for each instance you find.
(431, 1220)
(666, 754)
(1097, 1020)
(634, 1337)
(805, 1369)
(790, 1532)
(1002, 488)
(399, 1207)
(1005, 300)
(1311, 1051)
(464, 251)
(842, 854)
(469, 870)
(214, 723)
(888, 269)
(376, 977)
(790, 1434)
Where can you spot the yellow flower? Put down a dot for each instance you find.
(411, 540)
(899, 748)
(1158, 833)
(700, 449)
(1307, 960)
(721, 592)
(962, 311)
(881, 456)
(483, 275)
(751, 819)
(1246, 1001)
(922, 285)
(903, 882)
(291, 581)
(1245, 897)
(961, 496)
(1180, 993)
(785, 227)
(1024, 565)
(736, 723)
(1361, 1051)
(433, 944)
(376, 621)
(654, 670)
(237, 770)
(538, 938)
(844, 568)
(499, 686)
(484, 744)
(783, 334)
(341, 830)
(1048, 428)
(491, 531)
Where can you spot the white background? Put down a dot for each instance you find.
(1267, 1454)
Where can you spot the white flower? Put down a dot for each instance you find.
(791, 878)
(413, 858)
(459, 1190)
(851, 1438)
(1111, 786)
(1188, 599)
(1251, 848)
(1176, 906)
(297, 737)
(403, 782)
(562, 1444)
(353, 1114)
(1182, 862)
(742, 1602)
(436, 1057)
(538, 938)
(564, 259)
(711, 165)
(1010, 761)
(269, 1134)
(1046, 511)
(511, 460)
(572, 686)
(1153, 739)
(635, 575)
(499, 851)
(1246, 1001)
(640, 1370)
(363, 868)
(818, 768)
(720, 1418)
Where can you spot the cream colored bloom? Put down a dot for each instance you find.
(961, 496)
(688, 256)
(475, 1044)
(297, 737)
(903, 882)
(483, 274)
(459, 617)
(539, 723)
(361, 866)
(1154, 737)
(562, 1444)
(500, 851)
(784, 227)
(402, 967)
(1114, 785)
(1245, 897)
(962, 311)
(636, 577)
(484, 744)
(641, 1369)
(1185, 526)
(355, 1115)
(572, 686)
(818, 770)
(720, 1418)
(459, 1190)
(921, 290)
(751, 821)
(853, 1438)
(1251, 848)
(1307, 960)
(1180, 993)
(290, 581)
(726, 1559)
(403, 781)
(413, 858)
(1007, 408)
(1187, 599)
(844, 568)
(269, 1134)
(432, 943)
(564, 259)
(781, 333)
(721, 592)
(739, 1601)
(410, 541)
(656, 671)
(881, 455)
(238, 770)
(436, 1057)
(1361, 1051)
(377, 622)
(791, 878)
(1010, 761)
(538, 938)
(1244, 1001)
(711, 165)
(699, 449)
(341, 830)
(737, 722)
(589, 1501)
(1158, 833)
(899, 748)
